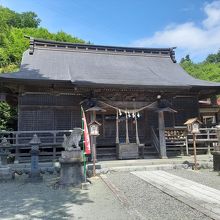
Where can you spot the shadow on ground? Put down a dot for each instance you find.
(20, 200)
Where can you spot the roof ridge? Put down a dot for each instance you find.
(36, 42)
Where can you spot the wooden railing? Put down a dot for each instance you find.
(206, 139)
(155, 140)
(177, 139)
(50, 142)
(51, 147)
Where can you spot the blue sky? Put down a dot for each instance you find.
(191, 25)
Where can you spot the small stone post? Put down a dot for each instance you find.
(4, 152)
(5, 171)
(34, 175)
(216, 152)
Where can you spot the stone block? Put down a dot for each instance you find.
(85, 186)
(71, 171)
(97, 166)
(6, 174)
(71, 174)
(71, 156)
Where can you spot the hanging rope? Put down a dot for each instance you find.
(150, 106)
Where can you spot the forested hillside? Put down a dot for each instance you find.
(13, 27)
(209, 69)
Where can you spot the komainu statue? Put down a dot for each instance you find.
(73, 140)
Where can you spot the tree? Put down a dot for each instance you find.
(207, 70)
(7, 116)
(213, 58)
(29, 19)
(13, 27)
(186, 59)
(14, 19)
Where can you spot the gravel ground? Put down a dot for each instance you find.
(22, 201)
(150, 202)
(203, 176)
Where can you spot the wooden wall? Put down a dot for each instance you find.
(48, 112)
(51, 112)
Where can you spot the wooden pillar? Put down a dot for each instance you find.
(93, 138)
(194, 151)
(136, 127)
(16, 149)
(117, 130)
(162, 140)
(93, 144)
(126, 121)
(217, 148)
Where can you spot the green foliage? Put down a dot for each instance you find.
(14, 27)
(186, 59)
(213, 58)
(207, 70)
(19, 20)
(7, 116)
(9, 68)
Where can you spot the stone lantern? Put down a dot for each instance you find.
(35, 175)
(4, 151)
(5, 171)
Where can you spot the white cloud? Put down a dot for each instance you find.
(198, 41)
(213, 15)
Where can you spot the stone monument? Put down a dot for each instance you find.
(216, 152)
(71, 173)
(35, 175)
(5, 171)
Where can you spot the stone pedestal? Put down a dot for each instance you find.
(6, 173)
(216, 160)
(3, 158)
(35, 175)
(71, 173)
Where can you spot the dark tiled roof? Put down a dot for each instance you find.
(103, 65)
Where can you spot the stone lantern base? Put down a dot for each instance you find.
(34, 177)
(6, 173)
(71, 173)
(3, 158)
(216, 160)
